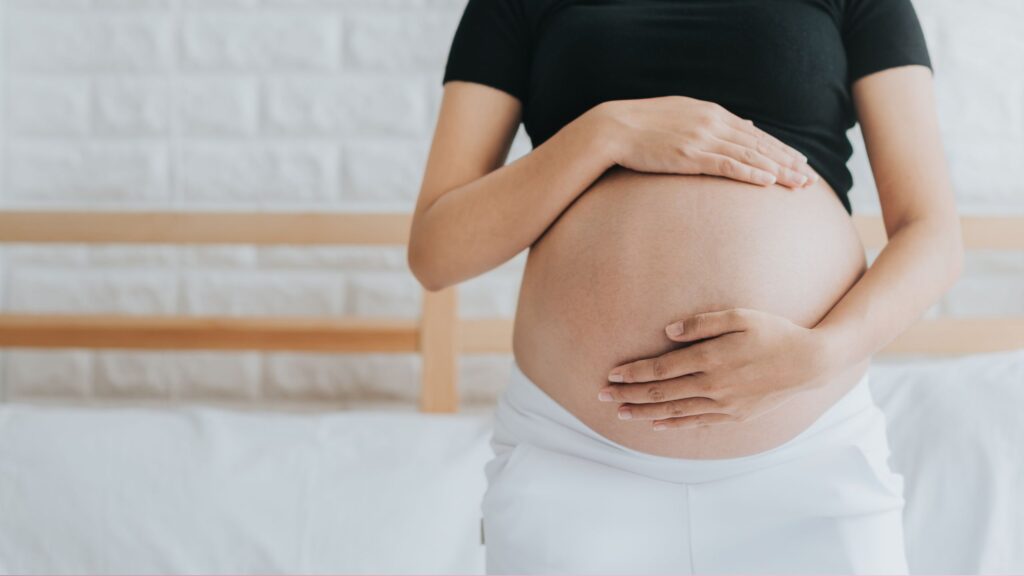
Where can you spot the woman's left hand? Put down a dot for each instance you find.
(747, 363)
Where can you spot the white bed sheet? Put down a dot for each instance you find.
(202, 489)
(199, 490)
(956, 429)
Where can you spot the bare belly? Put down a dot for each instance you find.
(638, 251)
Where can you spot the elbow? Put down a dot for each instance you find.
(946, 239)
(422, 269)
(423, 257)
(956, 258)
(954, 254)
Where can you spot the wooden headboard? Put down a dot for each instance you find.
(438, 334)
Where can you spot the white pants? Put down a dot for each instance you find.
(561, 498)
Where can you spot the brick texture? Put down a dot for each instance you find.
(310, 104)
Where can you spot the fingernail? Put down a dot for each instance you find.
(604, 396)
(675, 329)
(801, 179)
(625, 414)
(660, 427)
(615, 377)
(766, 178)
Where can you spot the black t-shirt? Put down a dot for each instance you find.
(787, 65)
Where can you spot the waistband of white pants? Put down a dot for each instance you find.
(525, 413)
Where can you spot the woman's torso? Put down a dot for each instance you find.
(637, 251)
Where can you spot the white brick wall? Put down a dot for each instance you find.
(281, 104)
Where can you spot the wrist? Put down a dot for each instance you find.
(604, 131)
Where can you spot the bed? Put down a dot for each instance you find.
(194, 488)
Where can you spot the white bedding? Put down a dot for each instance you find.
(201, 489)
(956, 428)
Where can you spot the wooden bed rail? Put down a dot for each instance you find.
(438, 334)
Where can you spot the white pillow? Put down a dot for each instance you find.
(956, 429)
(203, 490)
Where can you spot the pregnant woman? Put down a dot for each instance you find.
(689, 171)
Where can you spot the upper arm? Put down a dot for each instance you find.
(486, 79)
(473, 135)
(890, 74)
(898, 118)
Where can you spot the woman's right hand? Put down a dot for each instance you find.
(682, 135)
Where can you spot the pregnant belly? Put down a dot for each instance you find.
(637, 251)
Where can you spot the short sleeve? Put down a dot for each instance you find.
(492, 46)
(880, 34)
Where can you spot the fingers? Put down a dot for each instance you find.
(694, 358)
(672, 364)
(746, 133)
(689, 386)
(776, 153)
(679, 403)
(752, 157)
(709, 325)
(670, 409)
(749, 127)
(729, 167)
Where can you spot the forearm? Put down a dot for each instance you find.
(484, 223)
(919, 264)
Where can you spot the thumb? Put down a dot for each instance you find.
(708, 325)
